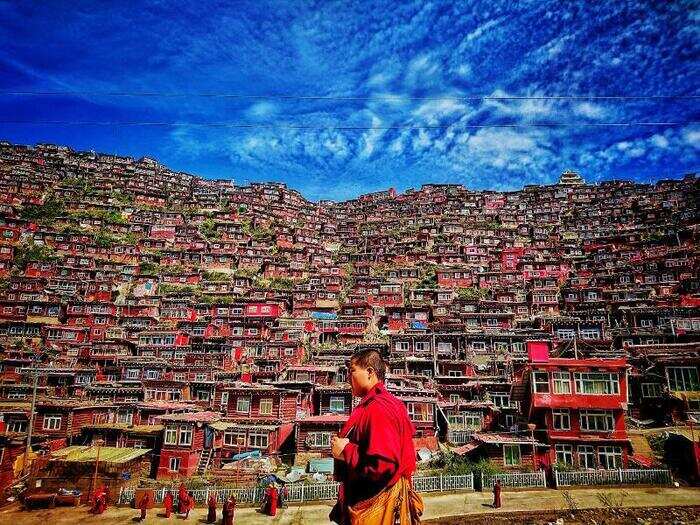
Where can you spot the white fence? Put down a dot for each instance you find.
(301, 492)
(518, 480)
(613, 477)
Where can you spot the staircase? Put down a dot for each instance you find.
(204, 461)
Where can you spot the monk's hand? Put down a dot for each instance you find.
(337, 446)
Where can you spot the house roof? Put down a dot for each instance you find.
(115, 455)
(196, 417)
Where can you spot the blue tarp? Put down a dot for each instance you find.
(247, 455)
(323, 315)
(323, 465)
(417, 325)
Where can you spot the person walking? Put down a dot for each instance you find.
(497, 494)
(168, 502)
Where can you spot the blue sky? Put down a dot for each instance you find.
(403, 68)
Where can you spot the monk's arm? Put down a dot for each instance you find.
(379, 460)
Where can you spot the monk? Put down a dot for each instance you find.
(168, 501)
(211, 506)
(181, 499)
(189, 505)
(100, 503)
(145, 503)
(271, 500)
(374, 453)
(228, 511)
(497, 494)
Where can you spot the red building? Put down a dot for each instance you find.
(578, 407)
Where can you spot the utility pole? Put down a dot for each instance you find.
(30, 430)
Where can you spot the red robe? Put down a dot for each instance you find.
(168, 504)
(182, 499)
(497, 496)
(380, 450)
(228, 512)
(271, 501)
(211, 513)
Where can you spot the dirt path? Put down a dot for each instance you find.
(471, 507)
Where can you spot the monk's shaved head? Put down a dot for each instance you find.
(370, 359)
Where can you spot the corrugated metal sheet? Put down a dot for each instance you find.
(77, 454)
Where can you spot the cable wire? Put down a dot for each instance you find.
(341, 97)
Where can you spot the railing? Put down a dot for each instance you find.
(517, 480)
(301, 492)
(613, 477)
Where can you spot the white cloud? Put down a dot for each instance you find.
(262, 110)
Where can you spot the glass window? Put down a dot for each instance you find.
(185, 435)
(683, 378)
(561, 419)
(337, 404)
(610, 457)
(257, 439)
(597, 383)
(319, 439)
(597, 420)
(52, 422)
(174, 465)
(586, 456)
(561, 382)
(511, 455)
(170, 436)
(540, 382)
(243, 405)
(235, 438)
(564, 454)
(652, 390)
(266, 406)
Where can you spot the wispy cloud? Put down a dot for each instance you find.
(403, 68)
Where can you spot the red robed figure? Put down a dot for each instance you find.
(182, 499)
(211, 506)
(168, 503)
(229, 511)
(271, 501)
(380, 450)
(497, 495)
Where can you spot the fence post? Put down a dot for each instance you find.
(440, 482)
(302, 492)
(206, 495)
(482, 481)
(121, 491)
(619, 472)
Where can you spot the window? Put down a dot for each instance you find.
(597, 420)
(16, 425)
(125, 417)
(500, 400)
(185, 435)
(610, 457)
(319, 439)
(224, 400)
(590, 333)
(561, 419)
(243, 405)
(257, 439)
(596, 383)
(683, 378)
(652, 390)
(170, 436)
(586, 456)
(561, 382)
(566, 333)
(174, 465)
(646, 323)
(266, 406)
(565, 454)
(511, 455)
(52, 422)
(419, 411)
(454, 398)
(402, 346)
(235, 438)
(540, 382)
(132, 373)
(337, 404)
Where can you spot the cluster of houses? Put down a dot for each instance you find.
(202, 321)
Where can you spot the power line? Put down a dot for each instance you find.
(160, 94)
(341, 127)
